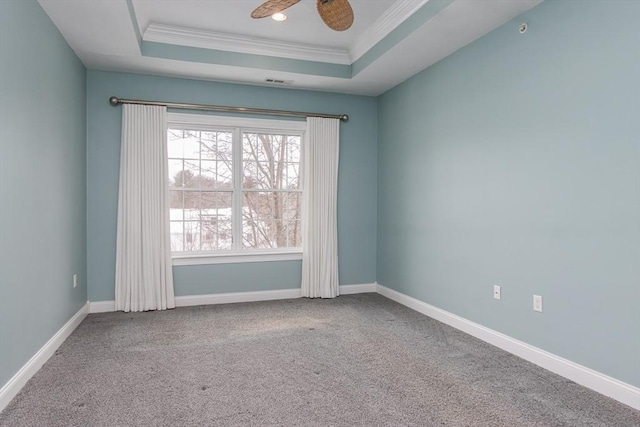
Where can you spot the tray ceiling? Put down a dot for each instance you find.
(218, 40)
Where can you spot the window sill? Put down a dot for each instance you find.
(233, 258)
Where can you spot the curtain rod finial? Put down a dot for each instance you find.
(344, 118)
(114, 101)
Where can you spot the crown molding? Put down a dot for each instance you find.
(234, 43)
(387, 22)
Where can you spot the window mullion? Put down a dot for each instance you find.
(237, 189)
(200, 221)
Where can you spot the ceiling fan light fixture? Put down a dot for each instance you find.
(279, 16)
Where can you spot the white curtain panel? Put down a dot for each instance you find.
(320, 214)
(144, 278)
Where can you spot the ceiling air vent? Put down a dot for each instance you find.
(278, 81)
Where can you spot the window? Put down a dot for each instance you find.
(234, 187)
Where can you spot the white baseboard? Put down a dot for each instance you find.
(102, 306)
(611, 387)
(15, 384)
(358, 289)
(232, 297)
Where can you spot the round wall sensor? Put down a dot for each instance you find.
(523, 27)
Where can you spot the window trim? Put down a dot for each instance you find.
(215, 122)
(182, 119)
(200, 258)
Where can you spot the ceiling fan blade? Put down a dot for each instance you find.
(337, 14)
(270, 7)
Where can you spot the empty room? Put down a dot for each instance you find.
(320, 213)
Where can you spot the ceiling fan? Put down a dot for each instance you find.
(336, 14)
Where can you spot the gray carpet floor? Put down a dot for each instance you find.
(357, 360)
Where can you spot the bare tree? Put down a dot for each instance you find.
(273, 214)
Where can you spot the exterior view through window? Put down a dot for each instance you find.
(234, 189)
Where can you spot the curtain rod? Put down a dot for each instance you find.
(115, 101)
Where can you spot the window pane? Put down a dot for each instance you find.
(176, 205)
(191, 236)
(174, 143)
(208, 145)
(207, 224)
(249, 174)
(216, 146)
(271, 161)
(200, 159)
(175, 173)
(293, 148)
(177, 235)
(215, 174)
(217, 158)
(224, 174)
(215, 217)
(208, 174)
(191, 141)
(191, 173)
(191, 205)
(271, 220)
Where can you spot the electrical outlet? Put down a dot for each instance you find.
(496, 292)
(537, 303)
(75, 280)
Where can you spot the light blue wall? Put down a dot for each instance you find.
(263, 62)
(515, 162)
(356, 193)
(42, 183)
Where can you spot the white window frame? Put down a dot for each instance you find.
(237, 125)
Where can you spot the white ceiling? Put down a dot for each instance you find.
(218, 40)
